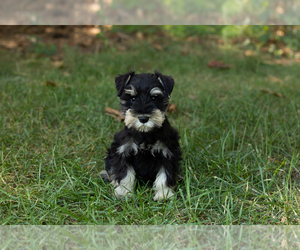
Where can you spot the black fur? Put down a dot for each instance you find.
(146, 163)
(121, 80)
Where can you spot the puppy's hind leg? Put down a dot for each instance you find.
(160, 186)
(126, 185)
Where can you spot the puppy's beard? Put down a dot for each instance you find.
(156, 119)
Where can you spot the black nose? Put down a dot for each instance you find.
(143, 119)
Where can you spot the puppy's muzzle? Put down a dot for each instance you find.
(143, 119)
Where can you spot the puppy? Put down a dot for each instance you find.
(147, 147)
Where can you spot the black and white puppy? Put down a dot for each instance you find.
(147, 147)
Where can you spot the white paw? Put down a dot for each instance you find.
(165, 193)
(121, 192)
(126, 185)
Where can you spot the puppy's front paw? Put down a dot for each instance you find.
(126, 186)
(163, 194)
(121, 192)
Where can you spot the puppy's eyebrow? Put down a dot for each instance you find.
(128, 80)
(131, 91)
(156, 91)
(161, 82)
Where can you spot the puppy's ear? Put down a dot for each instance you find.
(122, 81)
(166, 81)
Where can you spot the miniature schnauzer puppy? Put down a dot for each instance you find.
(147, 147)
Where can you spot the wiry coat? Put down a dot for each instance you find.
(145, 161)
(147, 147)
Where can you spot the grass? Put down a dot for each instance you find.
(240, 145)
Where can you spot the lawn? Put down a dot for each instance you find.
(239, 128)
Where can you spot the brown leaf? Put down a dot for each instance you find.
(266, 91)
(172, 108)
(94, 30)
(53, 84)
(275, 79)
(157, 46)
(277, 94)
(58, 64)
(116, 114)
(9, 44)
(139, 35)
(218, 64)
(250, 52)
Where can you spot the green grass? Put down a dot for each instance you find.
(240, 145)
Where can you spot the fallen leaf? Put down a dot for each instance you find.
(53, 84)
(275, 79)
(116, 114)
(278, 94)
(218, 64)
(172, 108)
(139, 35)
(58, 64)
(49, 29)
(94, 30)
(157, 46)
(266, 91)
(250, 52)
(9, 44)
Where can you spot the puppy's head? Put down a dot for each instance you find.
(144, 99)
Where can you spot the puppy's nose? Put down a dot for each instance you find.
(143, 119)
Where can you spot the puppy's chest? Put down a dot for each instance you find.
(133, 148)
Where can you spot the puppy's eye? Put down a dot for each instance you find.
(154, 98)
(133, 99)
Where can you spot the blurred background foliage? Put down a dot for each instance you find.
(279, 40)
(213, 12)
(155, 12)
(275, 40)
